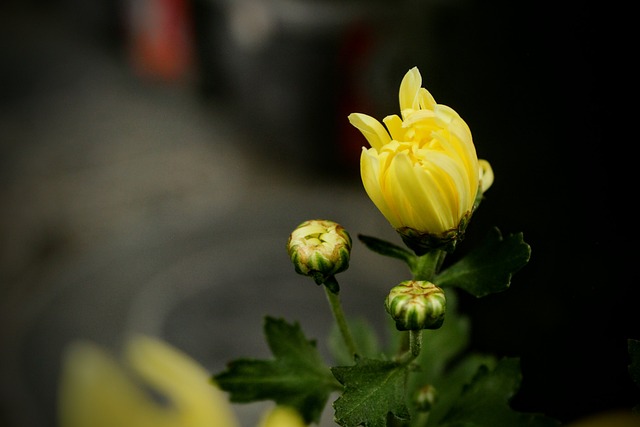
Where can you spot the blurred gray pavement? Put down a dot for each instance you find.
(133, 206)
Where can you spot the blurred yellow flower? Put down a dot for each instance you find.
(282, 416)
(422, 171)
(156, 386)
(616, 418)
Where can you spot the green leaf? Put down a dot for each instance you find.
(373, 389)
(450, 385)
(388, 249)
(297, 377)
(488, 268)
(485, 401)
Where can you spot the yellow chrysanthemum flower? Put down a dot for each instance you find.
(422, 171)
(156, 386)
(282, 416)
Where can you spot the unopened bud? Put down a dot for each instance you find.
(425, 398)
(416, 305)
(319, 249)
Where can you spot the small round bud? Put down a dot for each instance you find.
(415, 305)
(319, 249)
(425, 398)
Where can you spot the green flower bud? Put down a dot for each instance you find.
(415, 305)
(319, 249)
(425, 398)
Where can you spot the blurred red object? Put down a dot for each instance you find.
(160, 38)
(358, 45)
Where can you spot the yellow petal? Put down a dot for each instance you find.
(446, 114)
(485, 175)
(451, 121)
(185, 382)
(417, 201)
(426, 99)
(370, 171)
(409, 95)
(453, 182)
(372, 129)
(157, 386)
(282, 416)
(394, 124)
(466, 168)
(308, 230)
(95, 391)
(421, 118)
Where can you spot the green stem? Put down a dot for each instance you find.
(426, 266)
(415, 345)
(421, 418)
(415, 342)
(338, 315)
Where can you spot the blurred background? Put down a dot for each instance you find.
(155, 155)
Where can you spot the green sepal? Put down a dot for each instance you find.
(296, 377)
(485, 401)
(422, 242)
(488, 268)
(373, 391)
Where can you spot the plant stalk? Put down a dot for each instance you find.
(415, 342)
(338, 315)
(428, 265)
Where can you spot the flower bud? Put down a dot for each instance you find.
(415, 305)
(425, 398)
(319, 249)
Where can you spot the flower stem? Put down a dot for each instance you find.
(422, 418)
(427, 265)
(415, 342)
(338, 315)
(415, 345)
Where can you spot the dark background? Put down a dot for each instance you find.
(539, 85)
